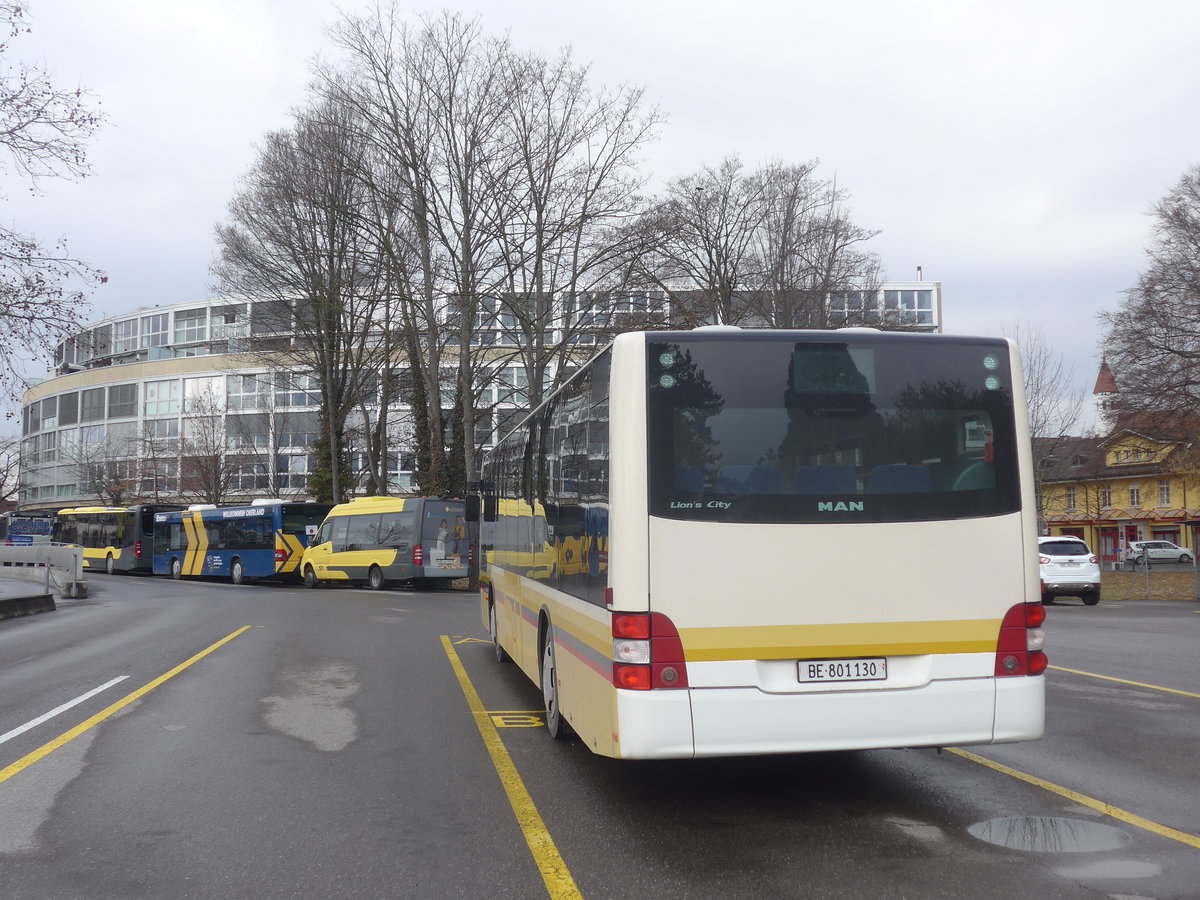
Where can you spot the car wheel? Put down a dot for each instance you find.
(310, 577)
(176, 569)
(375, 578)
(109, 566)
(1047, 599)
(237, 572)
(501, 654)
(1091, 598)
(555, 723)
(1184, 558)
(1139, 560)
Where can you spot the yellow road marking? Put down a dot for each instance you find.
(1153, 687)
(1083, 800)
(555, 874)
(68, 736)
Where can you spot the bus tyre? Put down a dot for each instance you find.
(310, 577)
(501, 655)
(109, 567)
(237, 572)
(176, 569)
(555, 723)
(375, 578)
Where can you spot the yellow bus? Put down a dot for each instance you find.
(782, 536)
(114, 538)
(377, 540)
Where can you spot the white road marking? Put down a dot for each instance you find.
(62, 709)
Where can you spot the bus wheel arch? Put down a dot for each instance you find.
(237, 571)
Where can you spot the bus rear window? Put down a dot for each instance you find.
(889, 428)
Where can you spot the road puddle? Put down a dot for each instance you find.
(1050, 834)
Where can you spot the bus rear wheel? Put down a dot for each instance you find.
(375, 578)
(176, 569)
(109, 566)
(555, 723)
(237, 572)
(501, 654)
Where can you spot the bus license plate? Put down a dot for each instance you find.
(825, 670)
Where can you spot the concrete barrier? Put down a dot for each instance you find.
(56, 568)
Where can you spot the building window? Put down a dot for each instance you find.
(162, 398)
(1164, 493)
(247, 392)
(292, 471)
(1071, 499)
(125, 336)
(91, 407)
(155, 330)
(191, 325)
(1106, 498)
(1135, 497)
(204, 395)
(68, 409)
(122, 400)
(292, 389)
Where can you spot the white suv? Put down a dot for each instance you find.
(1069, 569)
(1163, 551)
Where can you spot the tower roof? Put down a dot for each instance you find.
(1105, 382)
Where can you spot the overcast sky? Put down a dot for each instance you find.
(1012, 149)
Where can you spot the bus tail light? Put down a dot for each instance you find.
(281, 556)
(137, 549)
(418, 555)
(647, 652)
(1019, 647)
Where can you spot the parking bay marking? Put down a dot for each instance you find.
(66, 737)
(553, 868)
(1152, 687)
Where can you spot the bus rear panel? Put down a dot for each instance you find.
(794, 541)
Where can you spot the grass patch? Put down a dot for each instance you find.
(1162, 586)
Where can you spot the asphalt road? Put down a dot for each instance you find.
(327, 748)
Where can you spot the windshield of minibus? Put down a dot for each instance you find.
(809, 428)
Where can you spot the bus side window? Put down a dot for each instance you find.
(341, 527)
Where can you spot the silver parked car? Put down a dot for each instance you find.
(1158, 551)
(1069, 569)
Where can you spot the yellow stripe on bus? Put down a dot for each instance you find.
(842, 640)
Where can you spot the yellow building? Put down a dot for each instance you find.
(1128, 486)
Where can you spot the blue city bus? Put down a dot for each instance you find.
(263, 540)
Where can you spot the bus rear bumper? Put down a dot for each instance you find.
(745, 721)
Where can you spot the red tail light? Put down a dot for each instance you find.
(1019, 646)
(418, 555)
(281, 556)
(647, 652)
(137, 549)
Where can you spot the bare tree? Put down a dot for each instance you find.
(10, 467)
(704, 255)
(44, 130)
(206, 466)
(294, 243)
(1153, 338)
